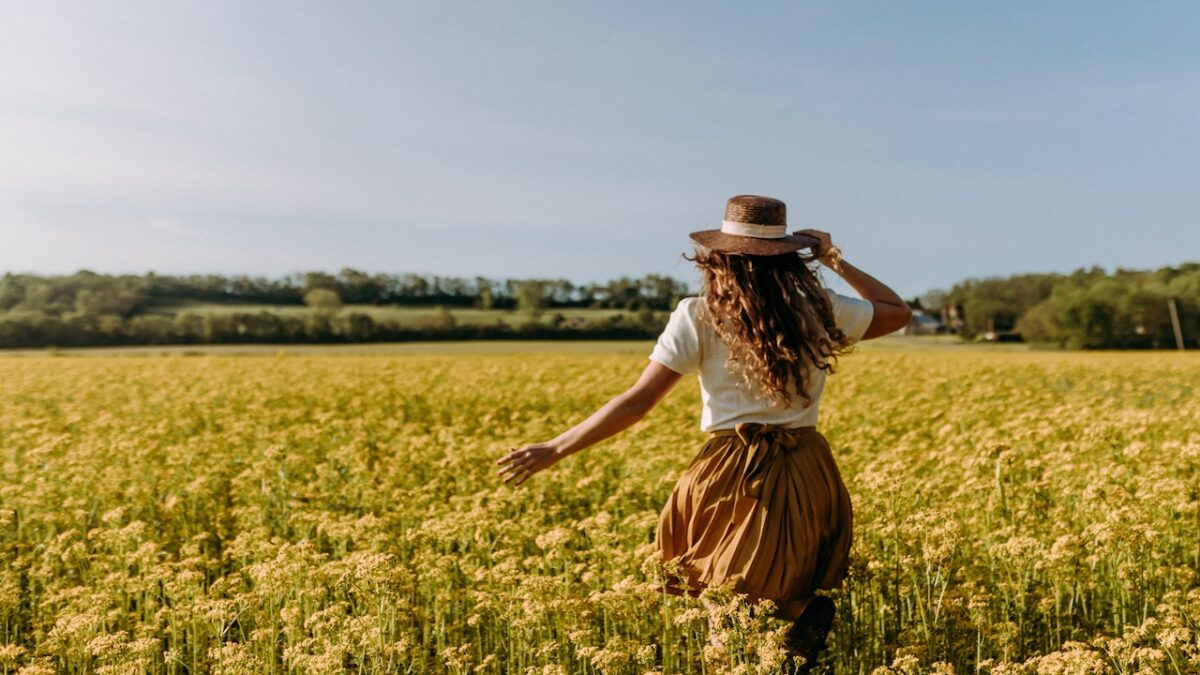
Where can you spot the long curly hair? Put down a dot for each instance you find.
(774, 315)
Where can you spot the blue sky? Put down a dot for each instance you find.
(936, 141)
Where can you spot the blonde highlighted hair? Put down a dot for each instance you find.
(776, 318)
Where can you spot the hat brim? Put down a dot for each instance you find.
(736, 243)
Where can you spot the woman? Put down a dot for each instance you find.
(762, 505)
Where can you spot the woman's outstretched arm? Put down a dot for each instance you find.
(891, 312)
(618, 414)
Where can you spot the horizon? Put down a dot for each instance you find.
(827, 275)
(936, 142)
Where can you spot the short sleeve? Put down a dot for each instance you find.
(678, 347)
(852, 315)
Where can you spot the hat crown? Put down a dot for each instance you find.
(756, 210)
(753, 225)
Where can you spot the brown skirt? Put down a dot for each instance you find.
(763, 507)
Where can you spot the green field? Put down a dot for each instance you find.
(411, 316)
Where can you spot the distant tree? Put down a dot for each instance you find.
(358, 288)
(323, 299)
(933, 300)
(314, 280)
(531, 297)
(358, 327)
(257, 326)
(11, 292)
(151, 329)
(110, 326)
(217, 327)
(486, 299)
(412, 288)
(441, 320)
(189, 326)
(648, 318)
(659, 291)
(318, 326)
(558, 291)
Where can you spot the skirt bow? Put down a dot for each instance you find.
(764, 443)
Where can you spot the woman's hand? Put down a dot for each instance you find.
(621, 411)
(524, 462)
(825, 251)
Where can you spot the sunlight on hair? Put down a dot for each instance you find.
(774, 315)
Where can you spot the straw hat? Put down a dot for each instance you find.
(755, 226)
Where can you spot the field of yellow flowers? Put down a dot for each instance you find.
(1015, 512)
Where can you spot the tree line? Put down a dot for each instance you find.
(125, 294)
(1087, 309)
(87, 308)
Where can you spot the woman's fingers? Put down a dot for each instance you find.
(513, 469)
(521, 473)
(512, 462)
(825, 242)
(524, 477)
(517, 471)
(508, 463)
(522, 463)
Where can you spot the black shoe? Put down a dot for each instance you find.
(807, 635)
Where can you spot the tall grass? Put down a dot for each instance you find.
(1014, 513)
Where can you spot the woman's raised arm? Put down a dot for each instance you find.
(622, 411)
(891, 312)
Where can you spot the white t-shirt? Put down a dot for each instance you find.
(689, 344)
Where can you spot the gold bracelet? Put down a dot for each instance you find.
(834, 255)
